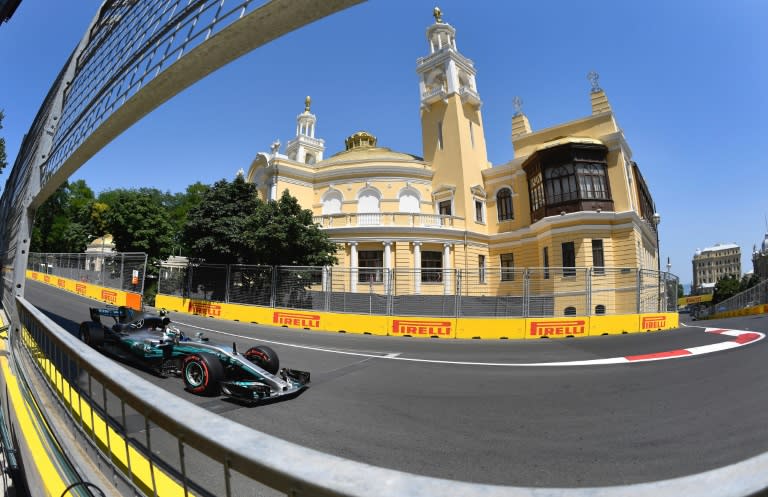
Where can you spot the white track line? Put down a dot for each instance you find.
(742, 338)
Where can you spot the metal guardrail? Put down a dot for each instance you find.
(118, 270)
(197, 441)
(488, 292)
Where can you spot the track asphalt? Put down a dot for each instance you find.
(469, 410)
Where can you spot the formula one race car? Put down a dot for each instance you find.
(206, 368)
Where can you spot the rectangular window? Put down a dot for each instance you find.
(478, 211)
(546, 263)
(444, 208)
(440, 134)
(569, 259)
(481, 268)
(370, 263)
(507, 267)
(471, 134)
(598, 260)
(431, 267)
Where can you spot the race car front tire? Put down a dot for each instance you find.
(202, 374)
(91, 333)
(264, 357)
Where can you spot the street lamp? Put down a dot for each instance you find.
(656, 220)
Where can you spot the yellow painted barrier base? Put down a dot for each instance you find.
(90, 290)
(425, 327)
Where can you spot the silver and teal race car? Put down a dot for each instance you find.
(207, 368)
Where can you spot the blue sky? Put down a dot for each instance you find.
(687, 81)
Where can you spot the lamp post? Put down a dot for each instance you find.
(656, 220)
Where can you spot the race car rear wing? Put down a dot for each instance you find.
(119, 313)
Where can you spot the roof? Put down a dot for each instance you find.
(568, 139)
(368, 154)
(721, 246)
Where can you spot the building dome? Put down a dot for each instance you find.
(361, 139)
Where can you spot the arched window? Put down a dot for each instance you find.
(309, 159)
(409, 200)
(600, 309)
(332, 202)
(570, 311)
(504, 205)
(368, 202)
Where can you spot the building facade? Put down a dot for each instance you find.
(760, 260)
(713, 263)
(571, 197)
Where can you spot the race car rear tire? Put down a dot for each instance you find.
(202, 374)
(264, 357)
(91, 333)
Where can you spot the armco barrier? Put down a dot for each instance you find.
(425, 327)
(96, 292)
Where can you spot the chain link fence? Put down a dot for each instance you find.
(119, 270)
(490, 292)
(750, 297)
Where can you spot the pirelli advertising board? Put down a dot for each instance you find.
(694, 299)
(85, 289)
(425, 327)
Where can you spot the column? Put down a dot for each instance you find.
(447, 288)
(387, 265)
(353, 266)
(273, 188)
(417, 267)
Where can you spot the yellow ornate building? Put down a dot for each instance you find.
(570, 198)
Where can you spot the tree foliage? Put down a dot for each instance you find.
(725, 288)
(232, 225)
(139, 221)
(63, 222)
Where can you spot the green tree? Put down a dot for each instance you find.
(680, 290)
(216, 228)
(3, 157)
(62, 223)
(282, 233)
(139, 222)
(725, 288)
(748, 281)
(232, 225)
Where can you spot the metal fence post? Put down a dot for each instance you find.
(226, 283)
(122, 267)
(457, 299)
(388, 289)
(639, 283)
(588, 289)
(273, 288)
(526, 292)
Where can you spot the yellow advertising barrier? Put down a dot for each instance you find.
(659, 321)
(425, 327)
(299, 319)
(614, 325)
(493, 328)
(694, 299)
(85, 289)
(564, 327)
(418, 327)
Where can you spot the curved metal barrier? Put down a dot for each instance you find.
(160, 444)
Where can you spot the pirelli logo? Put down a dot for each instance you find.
(299, 319)
(80, 289)
(564, 327)
(62, 283)
(204, 308)
(34, 276)
(421, 327)
(108, 296)
(47, 278)
(654, 322)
